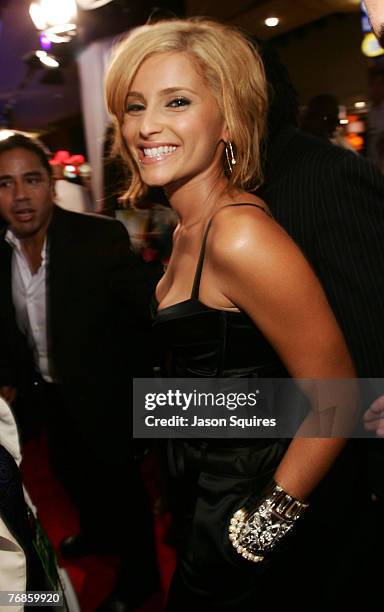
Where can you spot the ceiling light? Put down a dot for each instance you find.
(63, 28)
(360, 105)
(36, 15)
(271, 22)
(50, 61)
(344, 121)
(61, 33)
(89, 5)
(51, 12)
(47, 60)
(58, 12)
(54, 38)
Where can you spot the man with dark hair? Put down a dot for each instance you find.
(74, 315)
(20, 140)
(375, 9)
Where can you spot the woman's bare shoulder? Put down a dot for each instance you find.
(245, 230)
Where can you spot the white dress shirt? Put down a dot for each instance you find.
(30, 300)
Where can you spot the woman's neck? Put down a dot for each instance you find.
(197, 200)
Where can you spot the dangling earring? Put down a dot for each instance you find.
(231, 160)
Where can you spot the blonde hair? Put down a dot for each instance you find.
(233, 70)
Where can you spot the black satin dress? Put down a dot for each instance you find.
(213, 478)
(206, 342)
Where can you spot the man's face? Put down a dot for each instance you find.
(375, 10)
(26, 194)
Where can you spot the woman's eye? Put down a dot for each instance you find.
(134, 108)
(178, 102)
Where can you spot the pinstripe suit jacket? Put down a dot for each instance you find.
(332, 204)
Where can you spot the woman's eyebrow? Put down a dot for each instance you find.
(174, 89)
(167, 90)
(135, 94)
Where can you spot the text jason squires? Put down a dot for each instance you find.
(232, 421)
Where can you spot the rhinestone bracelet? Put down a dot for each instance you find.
(254, 534)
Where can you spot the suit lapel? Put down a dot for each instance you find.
(58, 268)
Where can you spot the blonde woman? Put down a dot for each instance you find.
(237, 299)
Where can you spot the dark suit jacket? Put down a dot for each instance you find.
(98, 321)
(332, 204)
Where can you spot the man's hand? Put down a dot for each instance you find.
(374, 417)
(8, 393)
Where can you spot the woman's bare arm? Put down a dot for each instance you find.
(262, 272)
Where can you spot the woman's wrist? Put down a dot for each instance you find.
(255, 534)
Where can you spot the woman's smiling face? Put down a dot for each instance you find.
(173, 126)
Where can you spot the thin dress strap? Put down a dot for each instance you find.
(200, 263)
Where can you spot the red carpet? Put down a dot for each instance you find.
(93, 577)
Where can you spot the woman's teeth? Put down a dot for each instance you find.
(156, 151)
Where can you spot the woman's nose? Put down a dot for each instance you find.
(150, 123)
